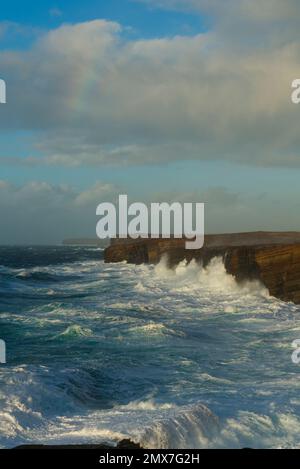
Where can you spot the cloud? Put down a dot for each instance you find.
(94, 195)
(255, 10)
(243, 24)
(92, 97)
(227, 211)
(41, 213)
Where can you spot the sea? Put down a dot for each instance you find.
(182, 358)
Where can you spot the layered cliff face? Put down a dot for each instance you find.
(272, 258)
(277, 267)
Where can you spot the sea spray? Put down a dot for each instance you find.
(165, 345)
(213, 277)
(191, 427)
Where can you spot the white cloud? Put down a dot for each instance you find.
(93, 97)
(94, 195)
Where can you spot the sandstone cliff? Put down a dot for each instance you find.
(273, 258)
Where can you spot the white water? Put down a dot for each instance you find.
(173, 359)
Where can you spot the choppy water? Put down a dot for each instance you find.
(183, 358)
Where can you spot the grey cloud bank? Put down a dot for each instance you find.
(43, 213)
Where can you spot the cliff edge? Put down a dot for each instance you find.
(271, 257)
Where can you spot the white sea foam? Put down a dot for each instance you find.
(172, 358)
(188, 277)
(75, 330)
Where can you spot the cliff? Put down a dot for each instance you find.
(271, 257)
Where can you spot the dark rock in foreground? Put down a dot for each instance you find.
(124, 444)
(271, 257)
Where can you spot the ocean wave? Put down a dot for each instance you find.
(189, 276)
(48, 408)
(191, 427)
(183, 357)
(74, 331)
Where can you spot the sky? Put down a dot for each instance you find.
(165, 100)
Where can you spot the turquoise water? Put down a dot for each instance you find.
(176, 359)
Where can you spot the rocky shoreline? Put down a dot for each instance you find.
(270, 257)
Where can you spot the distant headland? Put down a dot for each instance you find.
(85, 242)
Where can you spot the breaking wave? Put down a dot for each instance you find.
(171, 358)
(214, 278)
